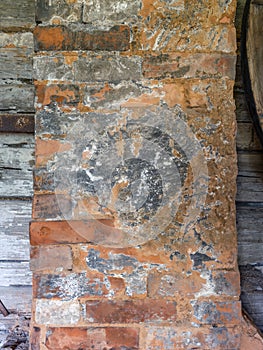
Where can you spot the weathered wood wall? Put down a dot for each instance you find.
(249, 199)
(16, 162)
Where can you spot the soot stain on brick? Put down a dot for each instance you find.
(221, 284)
(69, 287)
(137, 170)
(199, 259)
(178, 255)
(130, 269)
(112, 95)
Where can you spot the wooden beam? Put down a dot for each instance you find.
(17, 123)
(3, 309)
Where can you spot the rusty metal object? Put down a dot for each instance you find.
(17, 123)
(3, 309)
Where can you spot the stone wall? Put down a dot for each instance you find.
(133, 233)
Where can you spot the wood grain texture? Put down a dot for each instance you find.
(15, 274)
(249, 197)
(14, 230)
(17, 98)
(16, 64)
(16, 162)
(17, 14)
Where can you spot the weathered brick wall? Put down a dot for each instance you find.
(133, 233)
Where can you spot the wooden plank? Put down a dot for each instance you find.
(14, 273)
(250, 178)
(250, 191)
(17, 14)
(250, 253)
(253, 304)
(3, 309)
(24, 123)
(14, 230)
(250, 162)
(250, 225)
(16, 64)
(17, 98)
(16, 161)
(255, 54)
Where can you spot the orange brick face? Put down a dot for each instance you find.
(92, 338)
(133, 233)
(62, 38)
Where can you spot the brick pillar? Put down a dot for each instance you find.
(133, 233)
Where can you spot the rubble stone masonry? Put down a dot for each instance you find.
(133, 233)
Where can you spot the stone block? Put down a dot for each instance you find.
(61, 38)
(131, 311)
(92, 338)
(58, 11)
(170, 338)
(51, 258)
(110, 68)
(17, 14)
(51, 206)
(54, 67)
(47, 149)
(17, 98)
(77, 231)
(87, 68)
(171, 285)
(104, 11)
(174, 34)
(57, 312)
(70, 286)
(186, 65)
(217, 312)
(63, 95)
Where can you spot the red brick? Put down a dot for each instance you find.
(60, 94)
(35, 338)
(189, 65)
(175, 338)
(65, 285)
(170, 285)
(217, 312)
(51, 258)
(116, 338)
(131, 311)
(46, 149)
(50, 206)
(59, 38)
(51, 232)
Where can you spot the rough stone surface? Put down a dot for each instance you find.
(51, 258)
(171, 338)
(64, 38)
(126, 311)
(83, 68)
(92, 338)
(58, 12)
(135, 166)
(17, 14)
(97, 11)
(57, 312)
